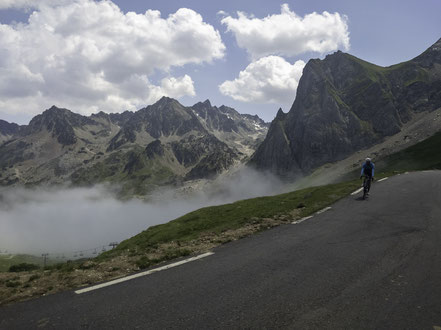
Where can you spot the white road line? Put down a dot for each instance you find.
(329, 207)
(323, 210)
(131, 277)
(301, 220)
(306, 218)
(357, 191)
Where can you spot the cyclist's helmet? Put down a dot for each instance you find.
(368, 160)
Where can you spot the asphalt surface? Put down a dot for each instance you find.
(373, 264)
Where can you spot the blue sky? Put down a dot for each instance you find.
(40, 69)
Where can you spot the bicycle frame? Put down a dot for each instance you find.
(366, 185)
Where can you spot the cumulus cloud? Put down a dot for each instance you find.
(30, 4)
(88, 56)
(270, 79)
(288, 34)
(179, 87)
(7, 4)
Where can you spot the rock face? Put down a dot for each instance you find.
(162, 144)
(60, 123)
(165, 118)
(241, 131)
(7, 130)
(345, 104)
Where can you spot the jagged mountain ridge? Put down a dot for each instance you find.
(7, 130)
(345, 104)
(164, 143)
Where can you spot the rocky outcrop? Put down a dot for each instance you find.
(206, 154)
(227, 120)
(154, 149)
(345, 104)
(275, 153)
(60, 123)
(165, 118)
(8, 130)
(215, 120)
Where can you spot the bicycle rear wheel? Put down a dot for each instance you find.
(365, 188)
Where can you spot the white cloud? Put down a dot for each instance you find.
(29, 4)
(178, 87)
(270, 79)
(173, 87)
(88, 56)
(288, 34)
(6, 4)
(222, 13)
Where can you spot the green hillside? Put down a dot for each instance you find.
(217, 219)
(424, 155)
(7, 261)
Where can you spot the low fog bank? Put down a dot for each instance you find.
(67, 221)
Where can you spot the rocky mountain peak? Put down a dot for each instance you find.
(200, 106)
(55, 108)
(335, 55)
(166, 102)
(60, 122)
(7, 128)
(165, 118)
(100, 114)
(431, 56)
(168, 109)
(436, 47)
(280, 114)
(55, 111)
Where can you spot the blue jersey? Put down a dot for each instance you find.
(368, 169)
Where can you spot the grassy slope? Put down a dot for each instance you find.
(405, 73)
(424, 155)
(7, 261)
(216, 219)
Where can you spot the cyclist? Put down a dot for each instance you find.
(368, 170)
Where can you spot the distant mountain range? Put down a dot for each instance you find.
(345, 104)
(164, 143)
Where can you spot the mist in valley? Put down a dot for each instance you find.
(69, 221)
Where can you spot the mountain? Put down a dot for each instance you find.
(60, 123)
(7, 130)
(345, 104)
(161, 144)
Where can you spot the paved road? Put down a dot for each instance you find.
(372, 264)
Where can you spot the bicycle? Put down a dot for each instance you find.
(366, 185)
